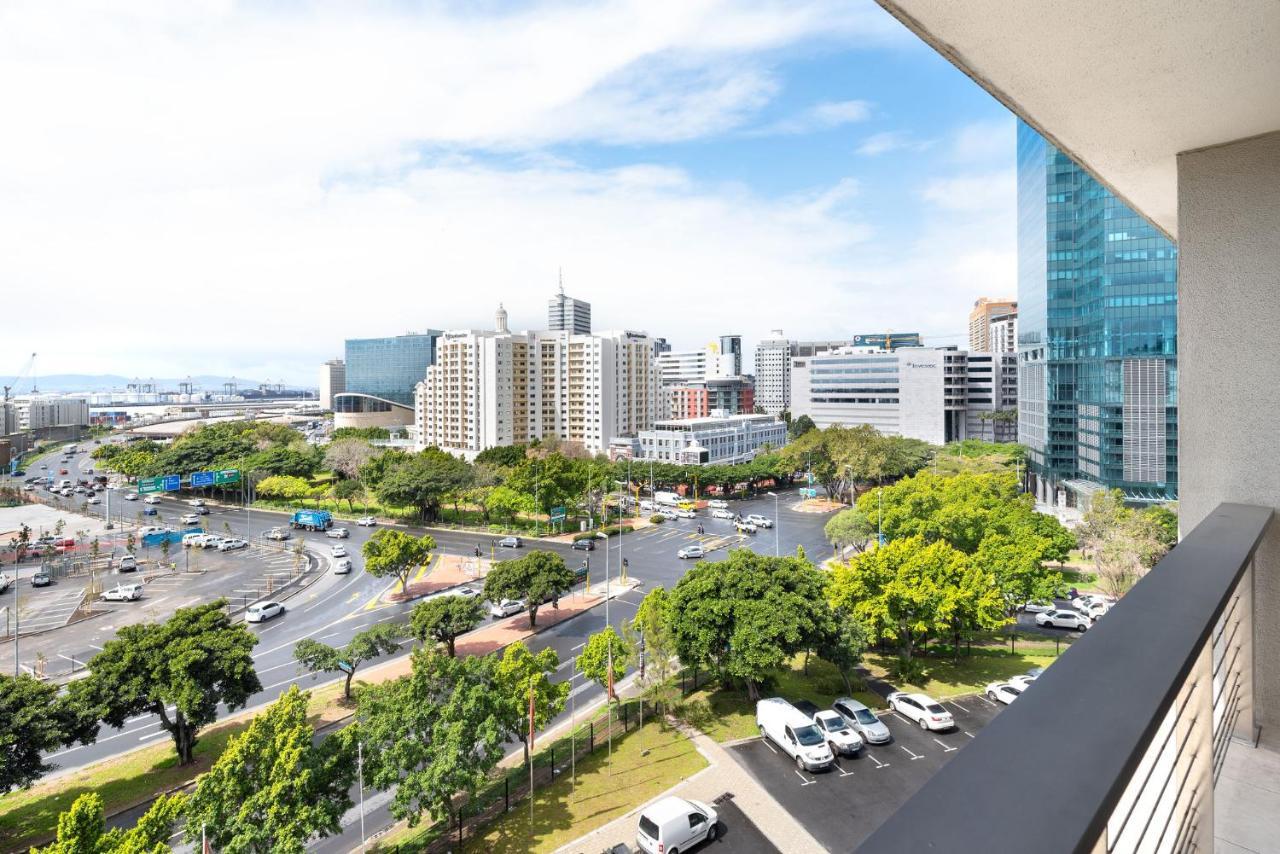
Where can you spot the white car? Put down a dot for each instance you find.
(1003, 692)
(210, 541)
(646, 504)
(506, 608)
(1037, 606)
(721, 513)
(342, 567)
(123, 593)
(93, 499)
(277, 534)
(189, 540)
(718, 504)
(681, 513)
(260, 612)
(1092, 605)
(466, 592)
(131, 496)
(921, 709)
(1023, 680)
(675, 824)
(760, 521)
(691, 552)
(667, 513)
(843, 739)
(232, 545)
(146, 530)
(338, 550)
(189, 519)
(151, 499)
(196, 502)
(366, 521)
(744, 526)
(337, 533)
(1063, 618)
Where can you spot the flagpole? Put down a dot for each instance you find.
(360, 771)
(573, 726)
(531, 712)
(608, 699)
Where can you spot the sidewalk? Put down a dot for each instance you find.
(722, 775)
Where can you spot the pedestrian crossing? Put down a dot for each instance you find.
(681, 536)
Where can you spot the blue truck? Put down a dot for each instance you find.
(312, 520)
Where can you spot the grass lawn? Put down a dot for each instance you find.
(30, 815)
(947, 678)
(727, 714)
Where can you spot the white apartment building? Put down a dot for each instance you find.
(773, 368)
(491, 388)
(36, 411)
(937, 395)
(723, 440)
(1002, 333)
(333, 380)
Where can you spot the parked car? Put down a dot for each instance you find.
(467, 592)
(721, 513)
(646, 504)
(260, 612)
(691, 552)
(1002, 692)
(1037, 606)
(586, 544)
(189, 519)
(1092, 605)
(147, 530)
(794, 733)
(277, 534)
(123, 593)
(506, 608)
(366, 521)
(760, 521)
(6, 581)
(510, 543)
(232, 545)
(667, 513)
(338, 550)
(128, 563)
(337, 533)
(1023, 680)
(921, 709)
(202, 511)
(131, 496)
(62, 471)
(843, 739)
(41, 578)
(744, 526)
(93, 499)
(858, 716)
(189, 540)
(1063, 618)
(342, 567)
(682, 513)
(718, 504)
(675, 824)
(211, 541)
(151, 499)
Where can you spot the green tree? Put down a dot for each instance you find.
(538, 577)
(1165, 519)
(377, 640)
(748, 614)
(654, 638)
(505, 503)
(276, 786)
(850, 528)
(843, 645)
(503, 456)
(284, 487)
(595, 658)
(396, 554)
(193, 662)
(800, 426)
(349, 491)
(423, 481)
(518, 672)
(83, 828)
(433, 735)
(35, 721)
(442, 619)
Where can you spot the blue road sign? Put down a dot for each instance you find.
(172, 482)
(202, 478)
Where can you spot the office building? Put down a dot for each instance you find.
(718, 395)
(725, 440)
(1002, 333)
(731, 352)
(500, 388)
(661, 345)
(333, 381)
(680, 367)
(984, 313)
(566, 314)
(8, 419)
(1097, 337)
(381, 374)
(937, 395)
(888, 340)
(773, 368)
(32, 412)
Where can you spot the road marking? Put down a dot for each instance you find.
(989, 703)
(945, 748)
(562, 665)
(913, 756)
(802, 777)
(967, 733)
(152, 735)
(843, 773)
(960, 707)
(766, 743)
(901, 718)
(578, 647)
(879, 764)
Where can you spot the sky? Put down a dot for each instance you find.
(212, 187)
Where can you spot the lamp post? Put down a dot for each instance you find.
(777, 524)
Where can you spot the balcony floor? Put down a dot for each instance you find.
(1247, 799)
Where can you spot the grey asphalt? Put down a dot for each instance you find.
(841, 807)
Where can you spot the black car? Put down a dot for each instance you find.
(585, 545)
(19, 473)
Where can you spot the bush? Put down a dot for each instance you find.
(657, 519)
(589, 535)
(613, 530)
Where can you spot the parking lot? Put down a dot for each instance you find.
(842, 806)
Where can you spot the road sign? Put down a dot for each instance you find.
(150, 484)
(226, 476)
(171, 482)
(202, 478)
(557, 514)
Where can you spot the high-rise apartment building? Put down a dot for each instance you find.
(1097, 337)
(566, 314)
(773, 368)
(381, 374)
(333, 380)
(985, 312)
(1002, 333)
(499, 388)
(731, 352)
(35, 411)
(715, 396)
(931, 394)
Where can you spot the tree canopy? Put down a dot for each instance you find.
(377, 640)
(396, 554)
(34, 721)
(82, 829)
(442, 619)
(537, 577)
(516, 673)
(605, 648)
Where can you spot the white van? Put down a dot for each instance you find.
(794, 732)
(674, 824)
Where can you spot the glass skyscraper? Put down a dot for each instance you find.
(1097, 337)
(389, 368)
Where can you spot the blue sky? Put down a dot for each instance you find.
(296, 174)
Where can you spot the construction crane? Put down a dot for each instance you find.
(28, 368)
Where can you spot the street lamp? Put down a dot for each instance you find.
(777, 524)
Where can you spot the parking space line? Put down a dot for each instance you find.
(913, 756)
(960, 707)
(802, 777)
(879, 764)
(966, 732)
(901, 718)
(766, 743)
(843, 773)
(945, 748)
(988, 702)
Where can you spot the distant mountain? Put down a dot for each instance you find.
(115, 382)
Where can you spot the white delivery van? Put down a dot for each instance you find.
(794, 732)
(674, 825)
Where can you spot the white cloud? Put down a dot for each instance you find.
(974, 192)
(986, 141)
(887, 141)
(821, 116)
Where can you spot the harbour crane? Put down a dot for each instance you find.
(28, 368)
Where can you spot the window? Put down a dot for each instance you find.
(696, 820)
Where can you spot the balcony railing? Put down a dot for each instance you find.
(1128, 730)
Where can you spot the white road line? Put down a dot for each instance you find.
(989, 703)
(945, 748)
(564, 664)
(879, 764)
(960, 707)
(804, 782)
(578, 647)
(843, 773)
(913, 756)
(766, 743)
(967, 733)
(901, 718)
(152, 735)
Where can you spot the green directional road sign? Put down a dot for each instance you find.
(557, 514)
(226, 476)
(150, 484)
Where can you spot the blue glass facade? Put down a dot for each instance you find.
(389, 368)
(1097, 337)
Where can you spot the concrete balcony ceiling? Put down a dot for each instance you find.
(1123, 86)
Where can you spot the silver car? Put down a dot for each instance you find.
(858, 716)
